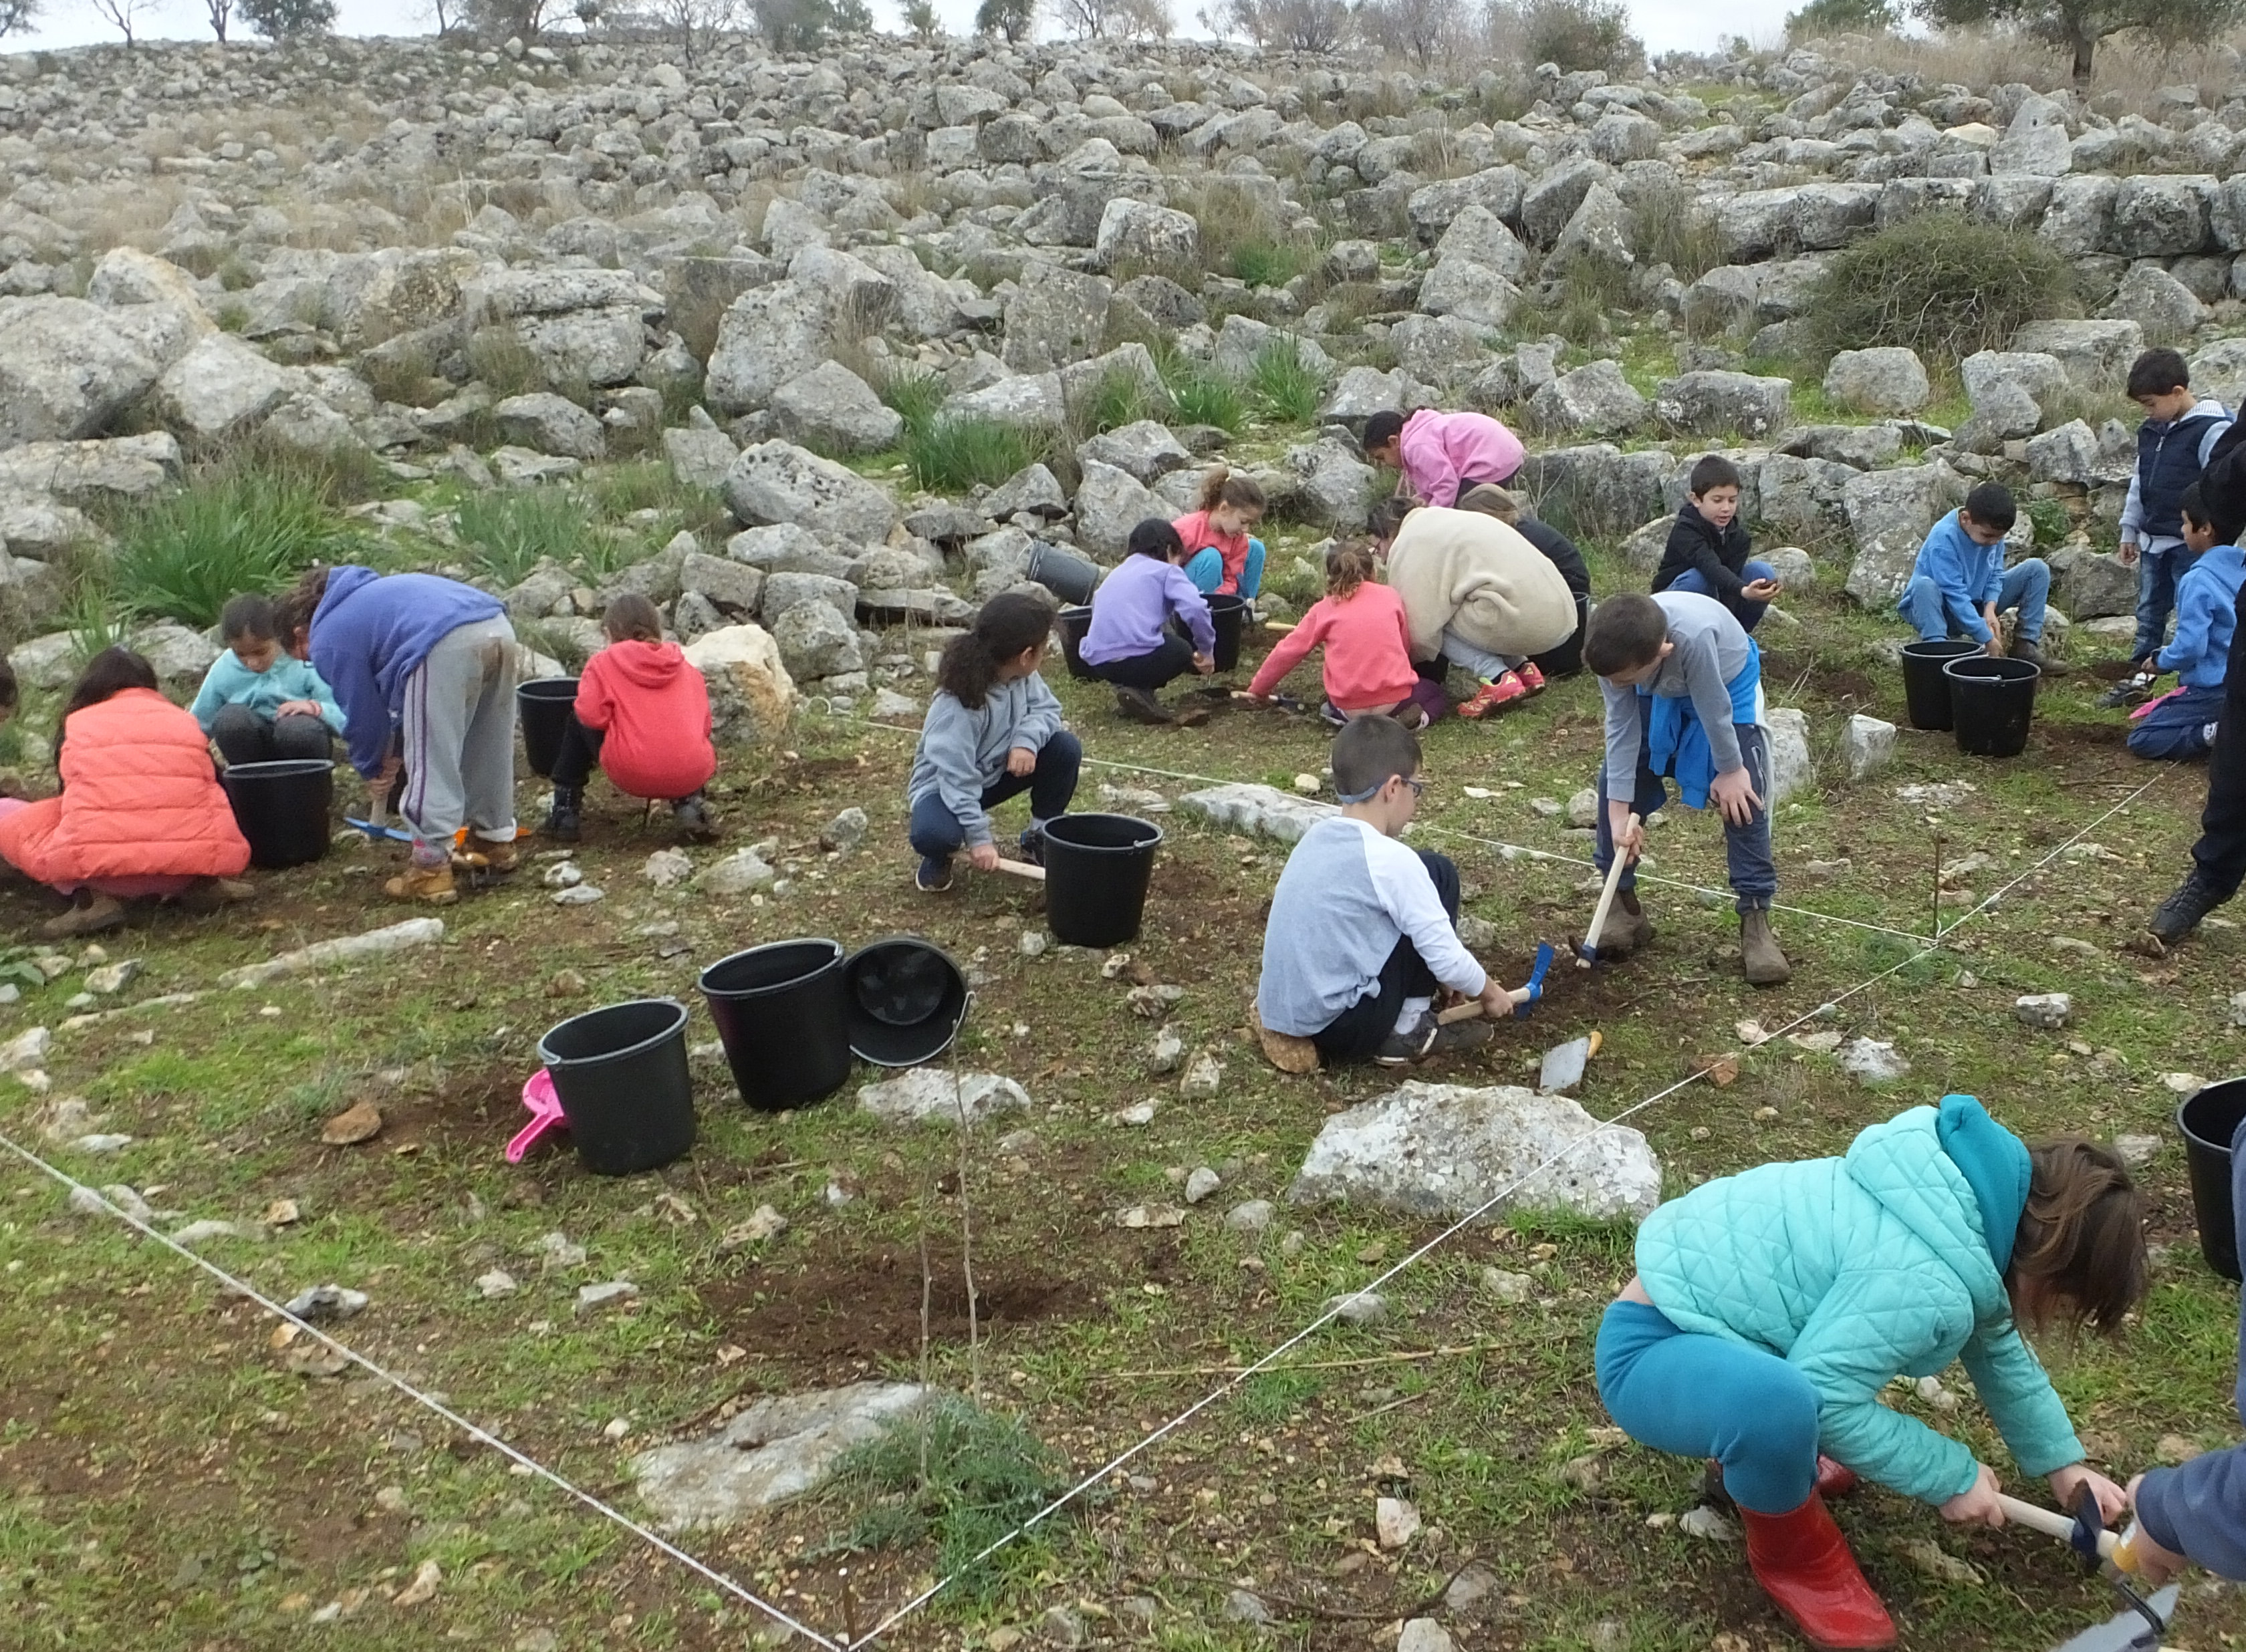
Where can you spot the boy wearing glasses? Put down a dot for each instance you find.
(1363, 930)
(1682, 684)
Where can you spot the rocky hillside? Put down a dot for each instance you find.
(904, 307)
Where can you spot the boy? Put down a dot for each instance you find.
(256, 704)
(1363, 930)
(1442, 455)
(1682, 684)
(2172, 445)
(1707, 548)
(2183, 724)
(1960, 585)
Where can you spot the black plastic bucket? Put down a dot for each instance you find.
(1992, 701)
(1097, 869)
(282, 809)
(2208, 1120)
(1567, 659)
(780, 1012)
(621, 1076)
(1925, 690)
(1075, 622)
(1068, 576)
(1229, 614)
(545, 704)
(904, 1000)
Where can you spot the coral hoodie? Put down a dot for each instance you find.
(655, 709)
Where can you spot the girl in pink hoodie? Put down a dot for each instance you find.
(642, 714)
(1367, 638)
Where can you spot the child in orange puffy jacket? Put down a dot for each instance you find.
(140, 814)
(642, 714)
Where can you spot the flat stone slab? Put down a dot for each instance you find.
(778, 1449)
(1443, 1150)
(1262, 809)
(929, 1093)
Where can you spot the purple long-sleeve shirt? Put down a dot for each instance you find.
(1134, 602)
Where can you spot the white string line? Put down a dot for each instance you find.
(481, 1436)
(1566, 1151)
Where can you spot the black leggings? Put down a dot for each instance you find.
(580, 754)
(1172, 659)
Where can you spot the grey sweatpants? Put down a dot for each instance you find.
(459, 738)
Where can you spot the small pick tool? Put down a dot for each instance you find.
(2144, 1619)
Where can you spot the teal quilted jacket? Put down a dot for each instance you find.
(1855, 1270)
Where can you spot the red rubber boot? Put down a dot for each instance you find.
(1803, 1564)
(1834, 1479)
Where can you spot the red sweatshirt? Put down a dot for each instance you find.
(1368, 644)
(1231, 548)
(657, 712)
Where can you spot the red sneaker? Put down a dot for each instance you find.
(1504, 691)
(1531, 678)
(1803, 1563)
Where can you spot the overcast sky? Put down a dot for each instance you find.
(1665, 26)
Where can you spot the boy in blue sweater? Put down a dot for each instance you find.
(2182, 724)
(2172, 445)
(1960, 586)
(257, 704)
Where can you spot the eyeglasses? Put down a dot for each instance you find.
(1418, 787)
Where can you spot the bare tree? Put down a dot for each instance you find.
(1295, 25)
(695, 24)
(126, 16)
(16, 16)
(1144, 19)
(219, 11)
(1084, 19)
(1425, 31)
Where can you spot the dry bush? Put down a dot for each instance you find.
(2126, 78)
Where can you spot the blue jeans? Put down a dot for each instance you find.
(1746, 848)
(2026, 587)
(1698, 1396)
(1205, 567)
(937, 834)
(2176, 727)
(1749, 615)
(2156, 590)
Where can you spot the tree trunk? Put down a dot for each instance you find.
(2086, 45)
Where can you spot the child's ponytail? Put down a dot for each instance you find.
(1010, 623)
(1347, 567)
(1224, 485)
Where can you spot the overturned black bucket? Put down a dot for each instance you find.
(779, 1014)
(1075, 624)
(904, 1000)
(544, 705)
(1230, 615)
(2209, 1122)
(1992, 702)
(282, 809)
(620, 1074)
(1068, 576)
(1097, 870)
(1925, 690)
(1567, 659)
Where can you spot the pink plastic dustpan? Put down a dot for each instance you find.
(545, 1114)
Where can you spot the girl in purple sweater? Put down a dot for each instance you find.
(1141, 616)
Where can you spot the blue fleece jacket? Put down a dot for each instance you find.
(2207, 613)
(370, 631)
(231, 683)
(1969, 575)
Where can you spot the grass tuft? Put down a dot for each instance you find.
(244, 527)
(951, 455)
(505, 531)
(1286, 387)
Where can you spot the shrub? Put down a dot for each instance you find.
(1580, 34)
(915, 397)
(1937, 284)
(951, 455)
(1273, 263)
(1822, 19)
(243, 528)
(506, 530)
(1285, 386)
(1427, 32)
(1670, 228)
(1012, 18)
(506, 364)
(1204, 396)
(288, 19)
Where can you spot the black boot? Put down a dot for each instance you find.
(563, 823)
(2180, 913)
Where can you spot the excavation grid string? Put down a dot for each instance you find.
(1926, 949)
(83, 1195)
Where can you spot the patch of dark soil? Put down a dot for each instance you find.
(2096, 736)
(1830, 681)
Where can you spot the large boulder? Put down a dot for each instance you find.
(768, 336)
(1889, 380)
(2096, 354)
(832, 410)
(1791, 769)
(1145, 450)
(1889, 513)
(121, 467)
(1055, 317)
(1137, 232)
(776, 482)
(2066, 454)
(2090, 585)
(700, 452)
(2160, 216)
(815, 640)
(1473, 292)
(586, 326)
(1432, 1152)
(1479, 236)
(1547, 204)
(2157, 301)
(546, 423)
(1718, 403)
(1109, 504)
(222, 385)
(777, 1448)
(1333, 484)
(2219, 370)
(1593, 400)
(1598, 236)
(2036, 142)
(67, 369)
(751, 696)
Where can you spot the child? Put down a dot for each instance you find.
(256, 704)
(1441, 455)
(1683, 685)
(642, 714)
(993, 730)
(1707, 548)
(1364, 930)
(424, 669)
(1490, 499)
(2172, 445)
(141, 812)
(1223, 559)
(1368, 642)
(1476, 595)
(1134, 640)
(1960, 586)
(1770, 1310)
(2182, 724)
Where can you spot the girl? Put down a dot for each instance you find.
(426, 664)
(1136, 613)
(1368, 642)
(642, 714)
(141, 812)
(2182, 723)
(992, 729)
(1478, 595)
(256, 704)
(1221, 558)
(1771, 1308)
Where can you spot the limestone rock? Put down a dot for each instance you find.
(1889, 380)
(546, 423)
(1260, 809)
(220, 387)
(751, 696)
(815, 639)
(1791, 769)
(66, 369)
(775, 1450)
(1593, 400)
(830, 410)
(1867, 745)
(924, 1094)
(776, 482)
(1109, 504)
(1716, 402)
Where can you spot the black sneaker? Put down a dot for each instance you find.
(934, 876)
(691, 817)
(1462, 1035)
(2180, 913)
(1332, 715)
(1031, 846)
(1402, 1049)
(1141, 707)
(2130, 689)
(563, 825)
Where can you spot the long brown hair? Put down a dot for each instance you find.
(1009, 622)
(112, 671)
(630, 617)
(2080, 1257)
(293, 612)
(1224, 485)
(1347, 566)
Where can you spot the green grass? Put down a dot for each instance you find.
(1287, 389)
(505, 531)
(1273, 263)
(916, 396)
(1118, 397)
(243, 528)
(1203, 393)
(951, 455)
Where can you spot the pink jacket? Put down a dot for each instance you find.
(1443, 452)
(1232, 548)
(1368, 644)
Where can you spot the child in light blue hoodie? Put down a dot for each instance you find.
(1960, 586)
(2182, 723)
(258, 704)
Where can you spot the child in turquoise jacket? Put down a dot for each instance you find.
(1771, 1308)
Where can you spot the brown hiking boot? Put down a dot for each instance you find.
(1765, 963)
(1628, 928)
(499, 859)
(431, 885)
(90, 913)
(205, 895)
